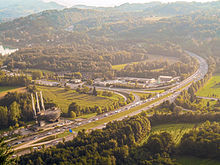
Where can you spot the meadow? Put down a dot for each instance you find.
(144, 95)
(5, 89)
(211, 88)
(152, 57)
(116, 116)
(176, 130)
(121, 66)
(189, 160)
(63, 98)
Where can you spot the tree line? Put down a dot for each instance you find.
(15, 109)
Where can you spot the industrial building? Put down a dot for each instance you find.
(41, 114)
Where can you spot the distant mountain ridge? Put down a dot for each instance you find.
(172, 8)
(11, 9)
(52, 25)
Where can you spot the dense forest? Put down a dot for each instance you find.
(93, 40)
(13, 80)
(97, 62)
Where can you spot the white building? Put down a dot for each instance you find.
(162, 79)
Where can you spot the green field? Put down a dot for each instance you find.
(118, 67)
(121, 66)
(212, 88)
(176, 130)
(146, 95)
(156, 91)
(189, 160)
(115, 116)
(64, 98)
(3, 89)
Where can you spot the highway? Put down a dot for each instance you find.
(156, 100)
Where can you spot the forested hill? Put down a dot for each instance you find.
(11, 9)
(126, 21)
(116, 29)
(161, 9)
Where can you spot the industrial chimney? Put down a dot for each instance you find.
(38, 105)
(42, 101)
(33, 105)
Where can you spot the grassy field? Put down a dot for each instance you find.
(211, 88)
(144, 94)
(32, 70)
(115, 116)
(5, 90)
(189, 160)
(121, 66)
(64, 98)
(156, 91)
(176, 130)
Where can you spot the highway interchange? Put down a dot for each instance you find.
(65, 125)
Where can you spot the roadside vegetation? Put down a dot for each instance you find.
(211, 88)
(144, 96)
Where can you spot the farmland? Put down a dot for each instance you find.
(64, 98)
(212, 88)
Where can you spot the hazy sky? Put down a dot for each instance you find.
(70, 3)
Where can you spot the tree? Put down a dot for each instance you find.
(5, 154)
(208, 104)
(3, 117)
(72, 114)
(15, 112)
(94, 92)
(37, 75)
(75, 108)
(98, 109)
(159, 143)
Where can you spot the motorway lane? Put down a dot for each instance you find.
(208, 98)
